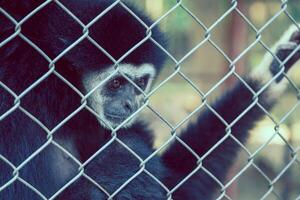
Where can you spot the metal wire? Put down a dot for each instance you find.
(233, 8)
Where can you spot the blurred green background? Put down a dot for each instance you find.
(206, 66)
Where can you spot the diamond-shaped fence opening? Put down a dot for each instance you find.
(58, 58)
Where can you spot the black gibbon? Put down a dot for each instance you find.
(56, 110)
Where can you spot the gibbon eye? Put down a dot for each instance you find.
(141, 82)
(116, 83)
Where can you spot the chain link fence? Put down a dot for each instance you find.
(270, 190)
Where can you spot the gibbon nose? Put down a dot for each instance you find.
(129, 106)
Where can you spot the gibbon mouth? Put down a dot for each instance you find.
(116, 118)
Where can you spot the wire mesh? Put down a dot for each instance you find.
(174, 129)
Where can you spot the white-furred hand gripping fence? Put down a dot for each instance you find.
(294, 151)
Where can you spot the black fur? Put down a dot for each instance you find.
(52, 101)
